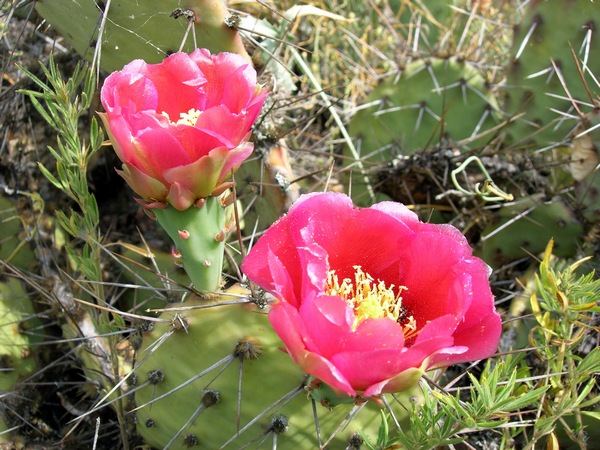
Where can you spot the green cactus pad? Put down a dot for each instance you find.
(430, 101)
(238, 334)
(158, 272)
(434, 18)
(14, 248)
(585, 158)
(146, 30)
(511, 237)
(551, 31)
(587, 196)
(264, 185)
(18, 326)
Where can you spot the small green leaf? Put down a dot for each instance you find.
(42, 111)
(524, 400)
(584, 392)
(590, 364)
(592, 414)
(382, 434)
(49, 176)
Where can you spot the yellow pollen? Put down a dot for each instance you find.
(187, 118)
(371, 300)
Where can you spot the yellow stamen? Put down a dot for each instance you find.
(189, 118)
(186, 118)
(371, 300)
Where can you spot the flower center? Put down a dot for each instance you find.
(371, 300)
(189, 118)
(186, 118)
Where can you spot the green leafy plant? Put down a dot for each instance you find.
(88, 322)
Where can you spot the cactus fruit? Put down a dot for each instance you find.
(524, 229)
(544, 74)
(209, 353)
(145, 30)
(431, 100)
(199, 235)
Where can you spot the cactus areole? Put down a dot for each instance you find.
(182, 126)
(369, 299)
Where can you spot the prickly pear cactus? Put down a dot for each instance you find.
(587, 196)
(543, 73)
(146, 30)
(216, 377)
(432, 18)
(430, 101)
(18, 334)
(14, 242)
(264, 185)
(525, 228)
(144, 269)
(18, 321)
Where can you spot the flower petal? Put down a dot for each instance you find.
(287, 325)
(155, 150)
(482, 326)
(149, 187)
(178, 82)
(230, 128)
(230, 76)
(400, 382)
(216, 167)
(327, 321)
(128, 92)
(431, 264)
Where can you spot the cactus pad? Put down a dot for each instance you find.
(17, 334)
(146, 30)
(209, 353)
(431, 101)
(524, 229)
(550, 37)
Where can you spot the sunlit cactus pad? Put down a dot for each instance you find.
(429, 102)
(555, 55)
(146, 30)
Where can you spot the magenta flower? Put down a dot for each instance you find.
(180, 127)
(369, 299)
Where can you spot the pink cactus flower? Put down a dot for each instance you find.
(180, 127)
(368, 299)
